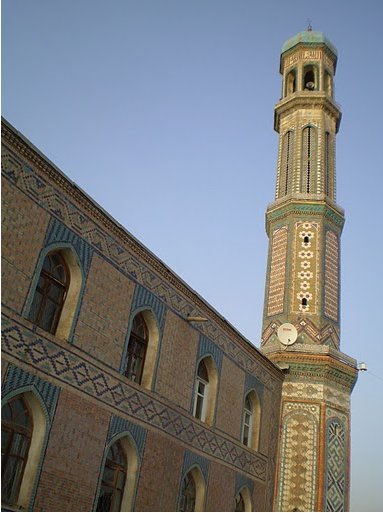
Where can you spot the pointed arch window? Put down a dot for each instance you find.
(188, 493)
(51, 291)
(242, 501)
(16, 434)
(192, 491)
(251, 420)
(328, 172)
(113, 479)
(309, 155)
(201, 391)
(137, 348)
(291, 85)
(310, 78)
(286, 164)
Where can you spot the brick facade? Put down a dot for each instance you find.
(119, 277)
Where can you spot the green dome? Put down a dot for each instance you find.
(309, 37)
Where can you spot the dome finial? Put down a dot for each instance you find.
(309, 27)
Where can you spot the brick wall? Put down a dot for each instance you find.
(23, 230)
(176, 370)
(71, 467)
(103, 321)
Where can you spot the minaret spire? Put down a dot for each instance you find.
(301, 324)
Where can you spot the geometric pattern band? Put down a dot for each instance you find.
(336, 459)
(66, 366)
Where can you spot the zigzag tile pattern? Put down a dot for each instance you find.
(66, 366)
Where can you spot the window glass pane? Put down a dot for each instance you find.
(201, 388)
(48, 316)
(116, 501)
(105, 499)
(139, 327)
(11, 480)
(36, 305)
(202, 371)
(20, 413)
(19, 445)
(199, 407)
(5, 438)
(6, 412)
(108, 477)
(55, 292)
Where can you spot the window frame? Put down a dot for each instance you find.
(40, 304)
(15, 429)
(137, 342)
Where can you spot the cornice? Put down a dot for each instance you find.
(293, 207)
(306, 100)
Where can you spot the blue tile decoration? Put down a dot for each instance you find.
(119, 425)
(64, 364)
(241, 481)
(18, 379)
(207, 347)
(58, 233)
(252, 383)
(336, 468)
(191, 459)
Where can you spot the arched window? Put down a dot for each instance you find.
(188, 493)
(247, 422)
(16, 434)
(291, 82)
(205, 390)
(285, 181)
(201, 391)
(328, 84)
(309, 156)
(328, 160)
(113, 479)
(192, 493)
(137, 347)
(242, 501)
(51, 292)
(251, 420)
(310, 78)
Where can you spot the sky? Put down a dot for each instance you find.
(162, 111)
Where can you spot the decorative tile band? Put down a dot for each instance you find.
(66, 366)
(331, 272)
(297, 482)
(336, 466)
(277, 278)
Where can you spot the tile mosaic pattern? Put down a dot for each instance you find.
(327, 335)
(336, 459)
(305, 283)
(298, 473)
(277, 275)
(331, 281)
(66, 366)
(117, 246)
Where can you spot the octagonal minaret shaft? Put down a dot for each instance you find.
(304, 226)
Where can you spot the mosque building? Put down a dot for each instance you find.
(124, 390)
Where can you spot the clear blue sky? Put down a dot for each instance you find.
(162, 110)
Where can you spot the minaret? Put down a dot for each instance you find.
(301, 323)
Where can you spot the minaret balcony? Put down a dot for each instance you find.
(307, 100)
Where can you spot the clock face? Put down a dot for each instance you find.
(287, 334)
